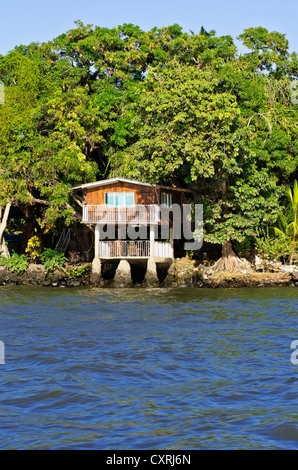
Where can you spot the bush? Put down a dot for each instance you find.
(33, 248)
(243, 248)
(275, 249)
(16, 263)
(74, 257)
(52, 260)
(78, 271)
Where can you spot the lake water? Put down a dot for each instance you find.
(148, 369)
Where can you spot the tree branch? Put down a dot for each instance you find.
(76, 214)
(34, 200)
(78, 200)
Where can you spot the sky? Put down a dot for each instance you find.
(23, 22)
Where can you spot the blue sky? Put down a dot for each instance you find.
(23, 22)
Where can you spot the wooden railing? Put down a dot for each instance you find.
(139, 214)
(133, 249)
(124, 249)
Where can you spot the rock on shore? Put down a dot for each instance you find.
(183, 272)
(37, 276)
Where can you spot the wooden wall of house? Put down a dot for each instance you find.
(177, 196)
(143, 194)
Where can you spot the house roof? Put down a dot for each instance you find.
(110, 181)
(124, 180)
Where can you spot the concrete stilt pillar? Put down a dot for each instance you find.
(96, 266)
(122, 276)
(96, 263)
(96, 276)
(151, 278)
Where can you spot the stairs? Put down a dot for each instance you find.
(63, 241)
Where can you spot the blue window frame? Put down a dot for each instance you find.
(117, 199)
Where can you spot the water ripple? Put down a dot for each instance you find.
(148, 368)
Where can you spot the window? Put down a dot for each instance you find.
(117, 199)
(166, 199)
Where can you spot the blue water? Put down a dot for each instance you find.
(148, 369)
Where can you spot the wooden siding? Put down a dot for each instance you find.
(145, 195)
(176, 195)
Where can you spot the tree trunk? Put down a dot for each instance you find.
(229, 261)
(3, 247)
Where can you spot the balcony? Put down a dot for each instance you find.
(133, 249)
(124, 249)
(138, 214)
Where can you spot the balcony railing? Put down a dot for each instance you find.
(139, 214)
(124, 249)
(133, 249)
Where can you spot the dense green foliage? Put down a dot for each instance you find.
(16, 263)
(52, 259)
(272, 248)
(163, 106)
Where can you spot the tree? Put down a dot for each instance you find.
(269, 52)
(164, 105)
(35, 168)
(190, 130)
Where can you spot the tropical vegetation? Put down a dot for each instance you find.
(165, 106)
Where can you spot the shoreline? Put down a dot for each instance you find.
(194, 279)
